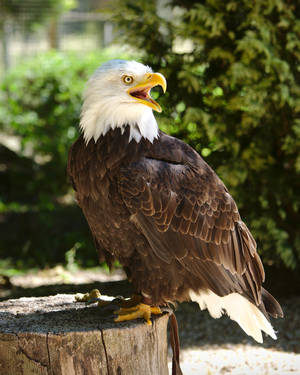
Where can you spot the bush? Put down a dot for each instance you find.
(42, 237)
(234, 95)
(40, 103)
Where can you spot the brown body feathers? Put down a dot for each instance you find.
(162, 212)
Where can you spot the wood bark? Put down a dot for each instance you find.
(54, 335)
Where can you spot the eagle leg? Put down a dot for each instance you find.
(130, 309)
(141, 310)
(131, 302)
(95, 296)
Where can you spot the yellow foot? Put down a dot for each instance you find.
(95, 296)
(91, 297)
(130, 308)
(141, 310)
(80, 297)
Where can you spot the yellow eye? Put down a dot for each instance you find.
(127, 79)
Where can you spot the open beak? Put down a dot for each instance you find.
(141, 92)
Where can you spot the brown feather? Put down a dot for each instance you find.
(166, 216)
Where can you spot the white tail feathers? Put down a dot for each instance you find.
(238, 308)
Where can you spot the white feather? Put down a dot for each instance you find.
(107, 105)
(239, 309)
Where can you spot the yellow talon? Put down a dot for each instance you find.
(139, 311)
(129, 308)
(79, 297)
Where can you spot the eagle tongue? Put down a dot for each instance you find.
(141, 94)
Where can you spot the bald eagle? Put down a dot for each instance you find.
(155, 205)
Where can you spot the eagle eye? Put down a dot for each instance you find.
(127, 79)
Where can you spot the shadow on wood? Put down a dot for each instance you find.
(54, 335)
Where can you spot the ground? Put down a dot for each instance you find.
(208, 346)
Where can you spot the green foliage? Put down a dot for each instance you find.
(40, 103)
(43, 237)
(234, 95)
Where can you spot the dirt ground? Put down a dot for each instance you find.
(208, 346)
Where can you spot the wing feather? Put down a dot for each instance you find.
(187, 214)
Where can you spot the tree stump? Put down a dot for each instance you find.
(54, 335)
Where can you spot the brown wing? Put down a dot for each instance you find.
(185, 212)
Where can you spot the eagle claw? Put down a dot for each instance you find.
(141, 310)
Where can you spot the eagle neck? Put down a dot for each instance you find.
(97, 121)
(117, 148)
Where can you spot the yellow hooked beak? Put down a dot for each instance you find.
(141, 92)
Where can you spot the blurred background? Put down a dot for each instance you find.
(233, 72)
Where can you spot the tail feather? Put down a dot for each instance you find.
(271, 305)
(239, 309)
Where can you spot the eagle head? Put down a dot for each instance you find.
(118, 95)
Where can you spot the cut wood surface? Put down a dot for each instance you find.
(54, 335)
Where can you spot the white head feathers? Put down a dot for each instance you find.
(107, 104)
